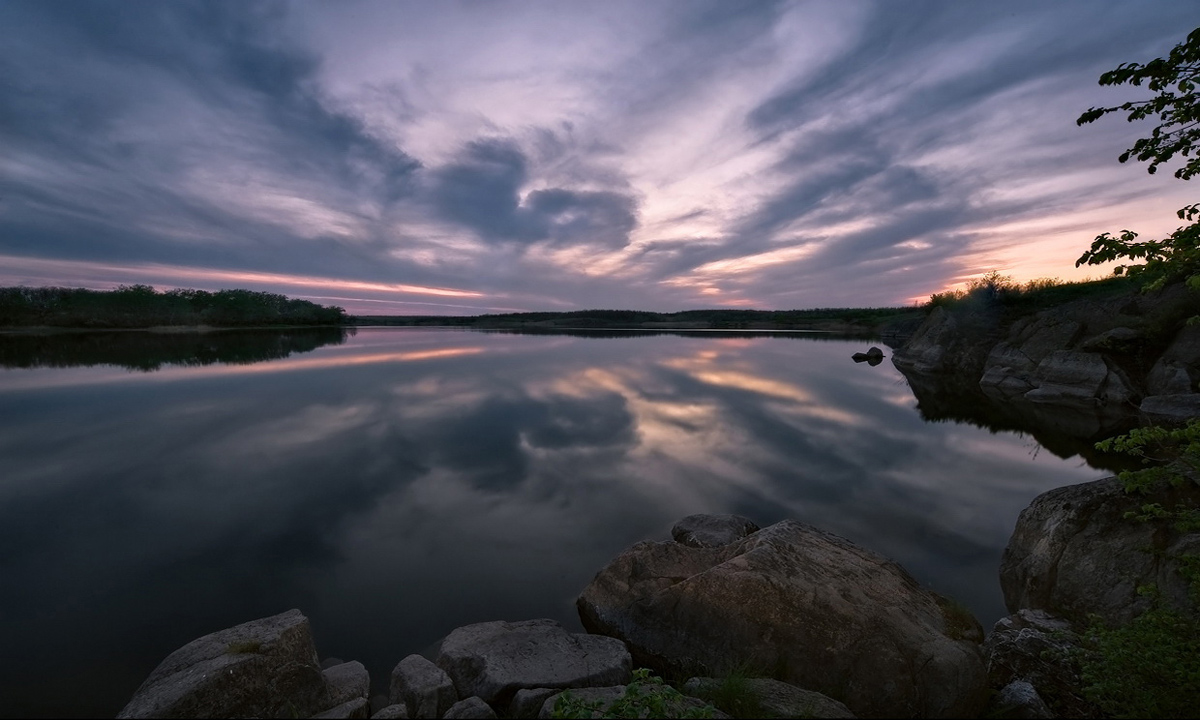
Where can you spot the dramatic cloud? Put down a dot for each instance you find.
(467, 157)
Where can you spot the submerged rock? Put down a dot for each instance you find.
(806, 607)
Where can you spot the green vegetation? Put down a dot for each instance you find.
(646, 696)
(140, 306)
(994, 291)
(732, 695)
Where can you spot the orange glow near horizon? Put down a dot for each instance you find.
(169, 273)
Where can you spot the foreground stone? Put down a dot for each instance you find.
(493, 660)
(264, 668)
(1034, 648)
(1074, 553)
(424, 689)
(773, 698)
(802, 605)
(471, 707)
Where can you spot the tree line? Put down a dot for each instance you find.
(140, 306)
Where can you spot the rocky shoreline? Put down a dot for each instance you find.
(830, 628)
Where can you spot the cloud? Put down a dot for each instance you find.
(482, 191)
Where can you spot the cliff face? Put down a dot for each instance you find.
(1086, 367)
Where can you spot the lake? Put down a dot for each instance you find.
(395, 483)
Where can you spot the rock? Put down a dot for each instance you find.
(1019, 699)
(1177, 370)
(264, 668)
(356, 708)
(1034, 647)
(926, 351)
(810, 608)
(423, 688)
(1171, 408)
(528, 702)
(493, 660)
(1045, 333)
(772, 698)
(1007, 373)
(1079, 378)
(874, 356)
(471, 707)
(712, 530)
(1073, 552)
(1117, 340)
(392, 712)
(346, 682)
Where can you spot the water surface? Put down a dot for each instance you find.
(397, 483)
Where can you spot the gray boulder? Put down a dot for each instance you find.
(1008, 372)
(264, 668)
(471, 707)
(712, 530)
(926, 352)
(346, 682)
(351, 709)
(1019, 699)
(1073, 552)
(807, 606)
(1079, 378)
(1171, 408)
(527, 702)
(493, 660)
(765, 697)
(423, 688)
(1177, 370)
(1035, 648)
(391, 712)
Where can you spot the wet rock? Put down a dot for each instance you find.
(1019, 699)
(1171, 408)
(493, 660)
(874, 356)
(814, 609)
(1073, 552)
(356, 708)
(772, 698)
(346, 682)
(471, 707)
(528, 702)
(264, 668)
(423, 688)
(712, 530)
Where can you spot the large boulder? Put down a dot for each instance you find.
(265, 668)
(493, 660)
(1177, 370)
(927, 351)
(424, 689)
(798, 604)
(1074, 552)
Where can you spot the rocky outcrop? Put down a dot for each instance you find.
(424, 689)
(493, 660)
(1101, 358)
(264, 668)
(764, 697)
(1074, 553)
(807, 607)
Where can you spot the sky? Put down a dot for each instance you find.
(479, 157)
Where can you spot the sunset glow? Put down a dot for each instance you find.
(466, 158)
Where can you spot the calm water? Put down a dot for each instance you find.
(404, 482)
